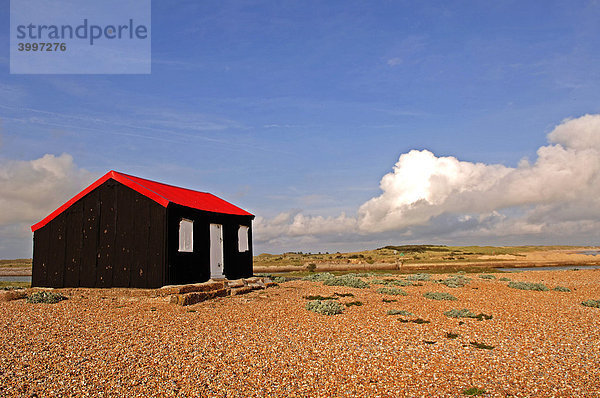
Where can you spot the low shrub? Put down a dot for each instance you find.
(418, 321)
(450, 335)
(394, 291)
(474, 391)
(592, 303)
(400, 312)
(343, 294)
(326, 307)
(319, 297)
(280, 279)
(505, 279)
(418, 277)
(528, 286)
(346, 280)
(389, 300)
(481, 346)
(561, 289)
(439, 296)
(487, 276)
(45, 297)
(465, 313)
(353, 303)
(454, 281)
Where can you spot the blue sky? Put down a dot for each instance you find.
(305, 106)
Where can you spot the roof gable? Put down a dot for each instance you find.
(162, 194)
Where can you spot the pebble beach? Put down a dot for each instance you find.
(116, 343)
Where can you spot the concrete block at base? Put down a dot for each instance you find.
(241, 290)
(235, 283)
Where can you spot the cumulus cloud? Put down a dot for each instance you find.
(32, 189)
(425, 195)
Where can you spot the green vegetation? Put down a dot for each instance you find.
(319, 297)
(311, 267)
(418, 277)
(45, 297)
(474, 391)
(353, 303)
(394, 291)
(528, 286)
(450, 335)
(418, 321)
(400, 312)
(481, 346)
(346, 280)
(327, 307)
(439, 296)
(592, 303)
(389, 300)
(454, 281)
(343, 294)
(465, 313)
(505, 279)
(561, 289)
(487, 276)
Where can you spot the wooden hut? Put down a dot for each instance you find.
(126, 231)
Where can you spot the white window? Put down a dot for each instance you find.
(186, 235)
(243, 238)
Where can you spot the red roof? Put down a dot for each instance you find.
(162, 194)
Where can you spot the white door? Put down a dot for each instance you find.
(216, 251)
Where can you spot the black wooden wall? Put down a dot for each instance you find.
(112, 237)
(195, 267)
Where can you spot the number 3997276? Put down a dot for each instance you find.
(42, 47)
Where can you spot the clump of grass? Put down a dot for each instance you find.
(343, 294)
(429, 342)
(455, 281)
(481, 346)
(528, 286)
(389, 300)
(394, 291)
(45, 297)
(450, 335)
(346, 280)
(280, 279)
(591, 303)
(561, 289)
(465, 313)
(474, 391)
(319, 297)
(318, 277)
(353, 303)
(439, 296)
(505, 279)
(400, 312)
(487, 276)
(326, 307)
(418, 277)
(418, 321)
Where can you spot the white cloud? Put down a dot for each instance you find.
(425, 196)
(33, 189)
